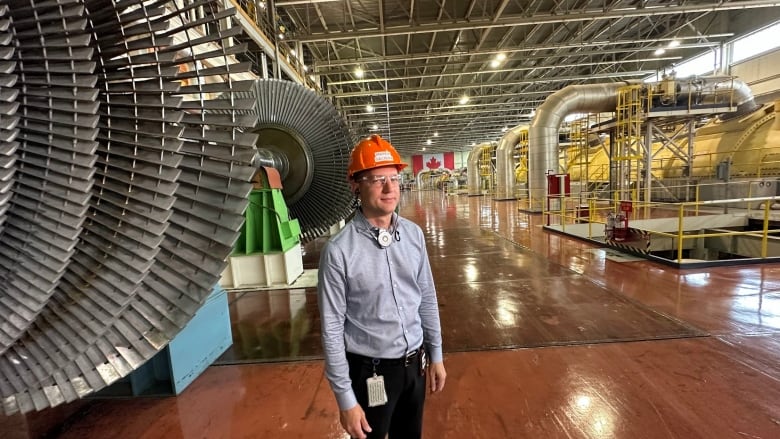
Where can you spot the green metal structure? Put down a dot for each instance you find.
(268, 227)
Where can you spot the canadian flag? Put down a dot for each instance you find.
(426, 162)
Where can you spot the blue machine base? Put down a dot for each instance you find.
(169, 372)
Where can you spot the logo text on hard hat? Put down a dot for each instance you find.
(383, 156)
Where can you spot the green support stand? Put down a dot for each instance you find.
(268, 226)
(268, 251)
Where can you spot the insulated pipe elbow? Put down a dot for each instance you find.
(713, 90)
(543, 133)
(742, 97)
(472, 171)
(505, 170)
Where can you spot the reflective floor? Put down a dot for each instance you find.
(545, 337)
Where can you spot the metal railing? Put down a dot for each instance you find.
(258, 14)
(563, 211)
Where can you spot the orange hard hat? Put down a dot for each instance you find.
(373, 152)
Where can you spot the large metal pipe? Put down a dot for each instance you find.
(472, 169)
(543, 133)
(592, 98)
(702, 90)
(505, 170)
(713, 89)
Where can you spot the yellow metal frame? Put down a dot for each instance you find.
(487, 169)
(486, 161)
(567, 213)
(629, 117)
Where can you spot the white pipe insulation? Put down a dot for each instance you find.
(543, 134)
(505, 171)
(472, 169)
(596, 98)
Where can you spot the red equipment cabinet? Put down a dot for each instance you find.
(558, 186)
(620, 232)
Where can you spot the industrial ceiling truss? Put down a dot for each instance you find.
(407, 69)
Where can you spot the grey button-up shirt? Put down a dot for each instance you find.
(374, 301)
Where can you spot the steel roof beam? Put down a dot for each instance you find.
(512, 70)
(379, 106)
(337, 70)
(520, 20)
(425, 56)
(341, 95)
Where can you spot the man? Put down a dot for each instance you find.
(380, 316)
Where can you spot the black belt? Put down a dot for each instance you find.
(406, 360)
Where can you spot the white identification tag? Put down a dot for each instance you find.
(376, 391)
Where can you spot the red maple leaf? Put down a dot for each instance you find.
(433, 163)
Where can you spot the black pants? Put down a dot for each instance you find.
(402, 416)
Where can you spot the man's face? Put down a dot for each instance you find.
(378, 198)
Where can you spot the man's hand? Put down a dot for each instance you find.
(436, 376)
(354, 422)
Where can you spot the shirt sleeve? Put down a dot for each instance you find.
(429, 305)
(332, 301)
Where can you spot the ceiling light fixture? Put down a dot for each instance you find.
(374, 127)
(659, 51)
(358, 72)
(369, 108)
(501, 56)
(495, 63)
(463, 100)
(674, 43)
(435, 134)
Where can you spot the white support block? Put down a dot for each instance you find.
(263, 269)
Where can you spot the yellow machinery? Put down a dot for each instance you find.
(655, 135)
(521, 151)
(487, 166)
(751, 143)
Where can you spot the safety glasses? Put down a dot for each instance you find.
(381, 180)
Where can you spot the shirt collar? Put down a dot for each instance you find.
(362, 222)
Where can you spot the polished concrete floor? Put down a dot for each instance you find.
(544, 337)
